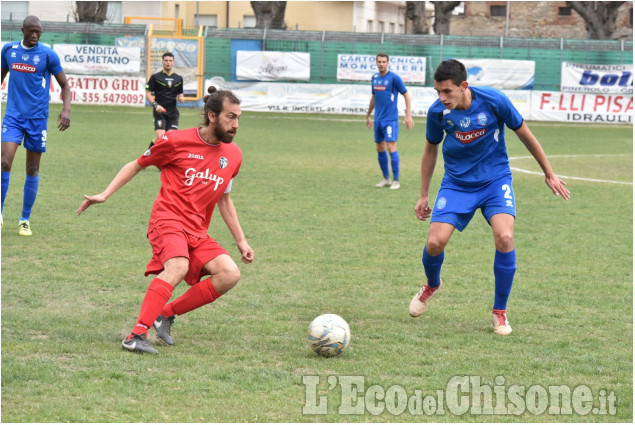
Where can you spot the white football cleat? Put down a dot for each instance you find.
(420, 301)
(383, 183)
(500, 322)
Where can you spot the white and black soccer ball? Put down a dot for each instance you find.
(328, 335)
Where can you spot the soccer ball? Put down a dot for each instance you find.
(328, 335)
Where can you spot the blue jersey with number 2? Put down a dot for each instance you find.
(474, 148)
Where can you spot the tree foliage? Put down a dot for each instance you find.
(270, 14)
(600, 17)
(442, 15)
(416, 12)
(91, 11)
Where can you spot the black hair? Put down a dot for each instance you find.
(167, 54)
(214, 102)
(31, 19)
(451, 69)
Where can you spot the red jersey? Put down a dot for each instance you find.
(194, 175)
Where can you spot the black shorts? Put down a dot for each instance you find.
(169, 120)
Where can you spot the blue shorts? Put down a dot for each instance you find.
(32, 131)
(386, 131)
(456, 204)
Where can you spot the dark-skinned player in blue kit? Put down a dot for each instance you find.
(30, 65)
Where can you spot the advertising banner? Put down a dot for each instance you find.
(582, 107)
(501, 74)
(601, 79)
(273, 66)
(101, 90)
(411, 69)
(353, 99)
(89, 59)
(350, 99)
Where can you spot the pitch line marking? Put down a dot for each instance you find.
(520, 170)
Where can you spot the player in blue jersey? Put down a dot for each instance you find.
(386, 87)
(31, 65)
(477, 176)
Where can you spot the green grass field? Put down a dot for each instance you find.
(326, 240)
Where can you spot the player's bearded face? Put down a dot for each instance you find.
(227, 123)
(223, 134)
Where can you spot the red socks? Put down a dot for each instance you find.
(158, 293)
(197, 296)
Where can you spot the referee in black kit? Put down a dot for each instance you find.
(163, 90)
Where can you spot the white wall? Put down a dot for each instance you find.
(386, 11)
(58, 11)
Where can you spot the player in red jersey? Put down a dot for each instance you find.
(197, 167)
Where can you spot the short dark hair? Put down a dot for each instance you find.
(451, 69)
(383, 55)
(31, 20)
(167, 54)
(214, 102)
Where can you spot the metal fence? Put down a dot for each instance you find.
(324, 46)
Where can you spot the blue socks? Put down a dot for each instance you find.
(5, 185)
(504, 270)
(394, 162)
(382, 157)
(30, 192)
(432, 266)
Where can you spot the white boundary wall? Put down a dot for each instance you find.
(354, 100)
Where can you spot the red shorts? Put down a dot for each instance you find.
(169, 241)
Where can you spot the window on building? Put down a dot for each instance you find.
(498, 11)
(176, 11)
(249, 21)
(380, 25)
(564, 11)
(401, 30)
(207, 20)
(15, 10)
(369, 25)
(392, 27)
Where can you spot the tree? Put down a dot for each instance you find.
(442, 15)
(270, 14)
(416, 12)
(599, 16)
(91, 11)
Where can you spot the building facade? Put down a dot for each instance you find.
(347, 16)
(520, 19)
(531, 19)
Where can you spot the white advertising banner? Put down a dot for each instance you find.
(582, 107)
(273, 66)
(89, 59)
(350, 99)
(411, 69)
(501, 74)
(600, 79)
(99, 90)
